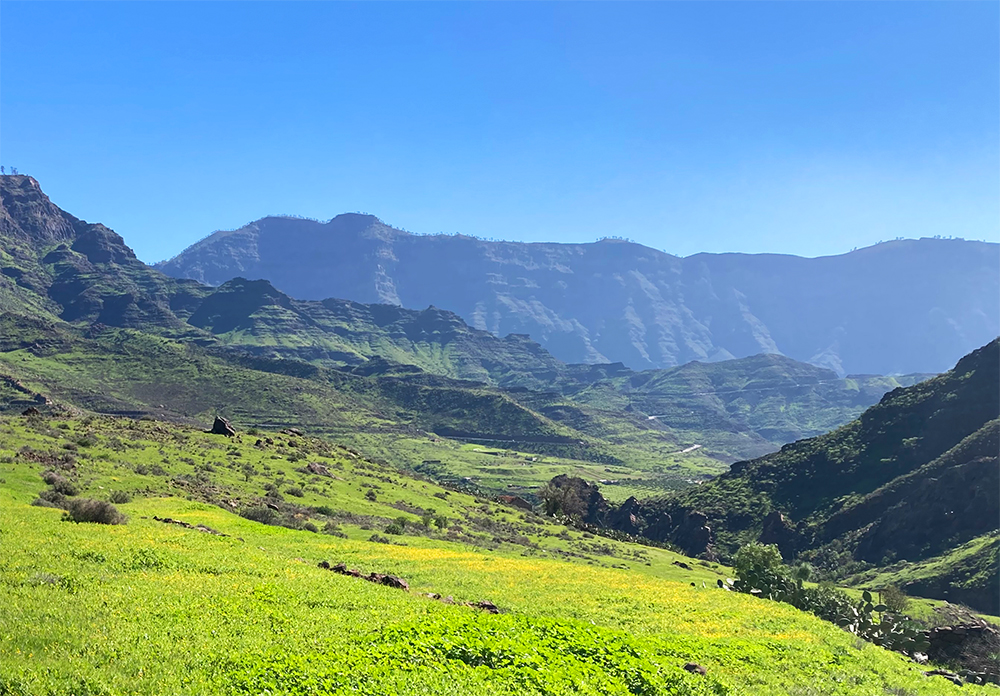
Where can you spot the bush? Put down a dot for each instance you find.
(53, 497)
(370, 495)
(762, 573)
(295, 491)
(895, 599)
(333, 529)
(120, 497)
(59, 484)
(394, 528)
(262, 514)
(379, 539)
(90, 510)
(310, 527)
(324, 510)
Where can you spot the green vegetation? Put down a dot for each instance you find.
(911, 480)
(224, 604)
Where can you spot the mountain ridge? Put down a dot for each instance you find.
(898, 307)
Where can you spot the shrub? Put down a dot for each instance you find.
(894, 599)
(120, 497)
(90, 510)
(333, 529)
(53, 497)
(440, 521)
(59, 484)
(310, 527)
(394, 528)
(762, 573)
(295, 491)
(370, 495)
(262, 514)
(379, 539)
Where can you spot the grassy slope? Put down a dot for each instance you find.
(127, 371)
(745, 408)
(151, 608)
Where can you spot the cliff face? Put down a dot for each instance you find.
(899, 307)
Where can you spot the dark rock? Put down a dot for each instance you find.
(968, 646)
(317, 469)
(273, 506)
(695, 668)
(514, 501)
(487, 606)
(31, 411)
(221, 426)
(681, 564)
(627, 517)
(778, 530)
(393, 581)
(325, 564)
(694, 536)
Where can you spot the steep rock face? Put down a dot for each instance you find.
(79, 271)
(899, 307)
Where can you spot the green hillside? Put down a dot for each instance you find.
(912, 479)
(739, 409)
(193, 595)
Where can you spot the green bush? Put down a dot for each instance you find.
(761, 572)
(895, 599)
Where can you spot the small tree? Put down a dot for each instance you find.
(895, 600)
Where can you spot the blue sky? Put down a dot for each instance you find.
(805, 128)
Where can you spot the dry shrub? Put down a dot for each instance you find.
(90, 510)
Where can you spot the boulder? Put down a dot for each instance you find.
(778, 530)
(221, 426)
(627, 517)
(694, 536)
(695, 668)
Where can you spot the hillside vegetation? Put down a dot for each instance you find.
(189, 596)
(911, 480)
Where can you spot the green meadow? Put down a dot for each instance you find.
(150, 607)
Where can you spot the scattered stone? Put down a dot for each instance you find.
(695, 668)
(485, 605)
(514, 501)
(221, 426)
(188, 525)
(317, 469)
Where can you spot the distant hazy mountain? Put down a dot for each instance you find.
(898, 307)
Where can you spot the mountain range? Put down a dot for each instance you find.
(896, 475)
(427, 368)
(906, 306)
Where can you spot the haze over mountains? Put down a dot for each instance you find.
(898, 307)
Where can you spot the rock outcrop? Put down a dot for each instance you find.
(221, 426)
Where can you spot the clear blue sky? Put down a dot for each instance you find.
(806, 128)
